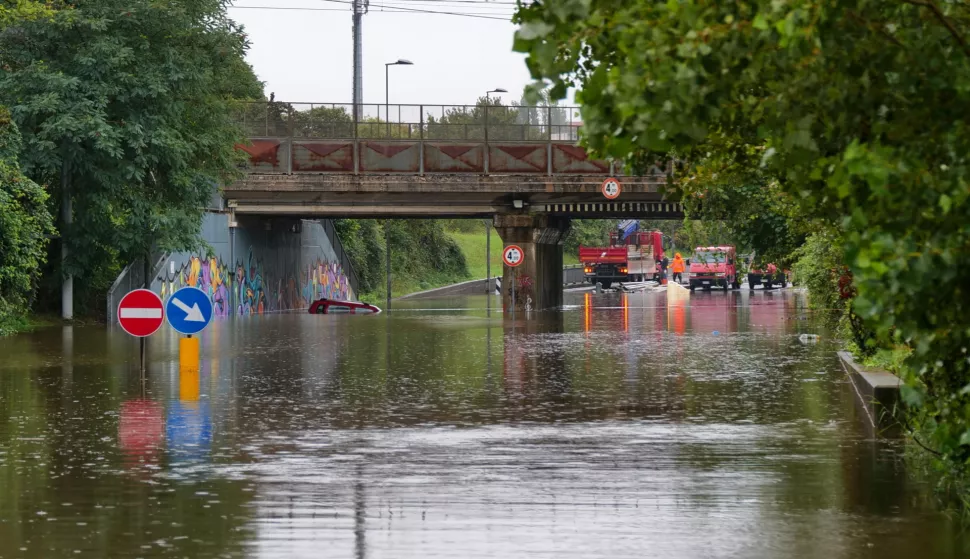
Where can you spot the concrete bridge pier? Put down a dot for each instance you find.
(538, 280)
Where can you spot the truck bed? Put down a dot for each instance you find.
(602, 255)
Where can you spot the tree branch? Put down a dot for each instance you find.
(943, 19)
(875, 27)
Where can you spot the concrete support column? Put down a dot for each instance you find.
(538, 280)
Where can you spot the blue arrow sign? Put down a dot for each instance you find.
(189, 310)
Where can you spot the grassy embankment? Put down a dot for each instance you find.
(473, 247)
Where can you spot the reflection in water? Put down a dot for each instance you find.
(628, 425)
(141, 432)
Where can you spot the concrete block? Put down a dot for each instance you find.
(877, 391)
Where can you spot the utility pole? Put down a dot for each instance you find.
(360, 8)
(67, 216)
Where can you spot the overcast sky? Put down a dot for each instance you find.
(305, 55)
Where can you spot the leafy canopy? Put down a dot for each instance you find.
(133, 98)
(857, 109)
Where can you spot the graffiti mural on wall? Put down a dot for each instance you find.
(325, 280)
(241, 289)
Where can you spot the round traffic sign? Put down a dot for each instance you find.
(611, 188)
(189, 310)
(513, 255)
(140, 313)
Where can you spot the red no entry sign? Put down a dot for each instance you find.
(140, 313)
(512, 255)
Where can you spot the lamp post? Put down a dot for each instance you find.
(496, 90)
(485, 131)
(387, 89)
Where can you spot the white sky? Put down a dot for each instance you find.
(307, 56)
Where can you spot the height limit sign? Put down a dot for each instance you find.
(611, 188)
(513, 255)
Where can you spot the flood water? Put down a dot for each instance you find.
(620, 427)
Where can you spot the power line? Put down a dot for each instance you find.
(480, 2)
(387, 9)
(474, 4)
(293, 9)
(426, 4)
(416, 10)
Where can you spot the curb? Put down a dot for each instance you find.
(878, 392)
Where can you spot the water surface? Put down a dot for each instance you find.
(620, 427)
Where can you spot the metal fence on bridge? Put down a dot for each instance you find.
(417, 139)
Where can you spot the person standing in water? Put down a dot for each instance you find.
(678, 268)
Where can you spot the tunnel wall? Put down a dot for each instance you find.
(270, 265)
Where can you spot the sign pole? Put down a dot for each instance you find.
(144, 360)
(140, 314)
(143, 345)
(513, 255)
(189, 311)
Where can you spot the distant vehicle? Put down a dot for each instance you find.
(767, 277)
(714, 267)
(330, 306)
(632, 256)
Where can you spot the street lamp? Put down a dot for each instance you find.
(387, 89)
(488, 102)
(496, 90)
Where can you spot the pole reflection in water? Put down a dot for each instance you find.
(188, 425)
(678, 300)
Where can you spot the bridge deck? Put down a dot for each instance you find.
(322, 159)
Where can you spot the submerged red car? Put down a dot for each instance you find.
(330, 306)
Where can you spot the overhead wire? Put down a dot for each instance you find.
(396, 6)
(417, 10)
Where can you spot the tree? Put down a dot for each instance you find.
(850, 104)
(468, 123)
(131, 100)
(25, 225)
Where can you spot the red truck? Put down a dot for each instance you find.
(768, 277)
(632, 256)
(714, 267)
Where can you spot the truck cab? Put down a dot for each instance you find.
(715, 266)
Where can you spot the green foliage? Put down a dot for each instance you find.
(423, 255)
(13, 11)
(818, 266)
(363, 241)
(588, 232)
(133, 98)
(850, 104)
(25, 225)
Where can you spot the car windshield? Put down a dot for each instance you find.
(708, 257)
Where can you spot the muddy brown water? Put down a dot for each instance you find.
(619, 427)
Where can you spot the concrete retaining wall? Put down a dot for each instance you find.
(263, 265)
(877, 391)
(571, 275)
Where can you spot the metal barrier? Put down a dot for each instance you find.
(132, 277)
(291, 138)
(573, 275)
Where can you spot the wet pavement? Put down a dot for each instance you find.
(620, 427)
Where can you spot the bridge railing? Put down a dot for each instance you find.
(408, 122)
(295, 138)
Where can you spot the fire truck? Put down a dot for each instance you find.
(633, 255)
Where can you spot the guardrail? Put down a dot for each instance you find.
(573, 274)
(132, 277)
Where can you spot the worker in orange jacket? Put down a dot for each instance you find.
(678, 268)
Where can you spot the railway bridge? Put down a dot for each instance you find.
(520, 166)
